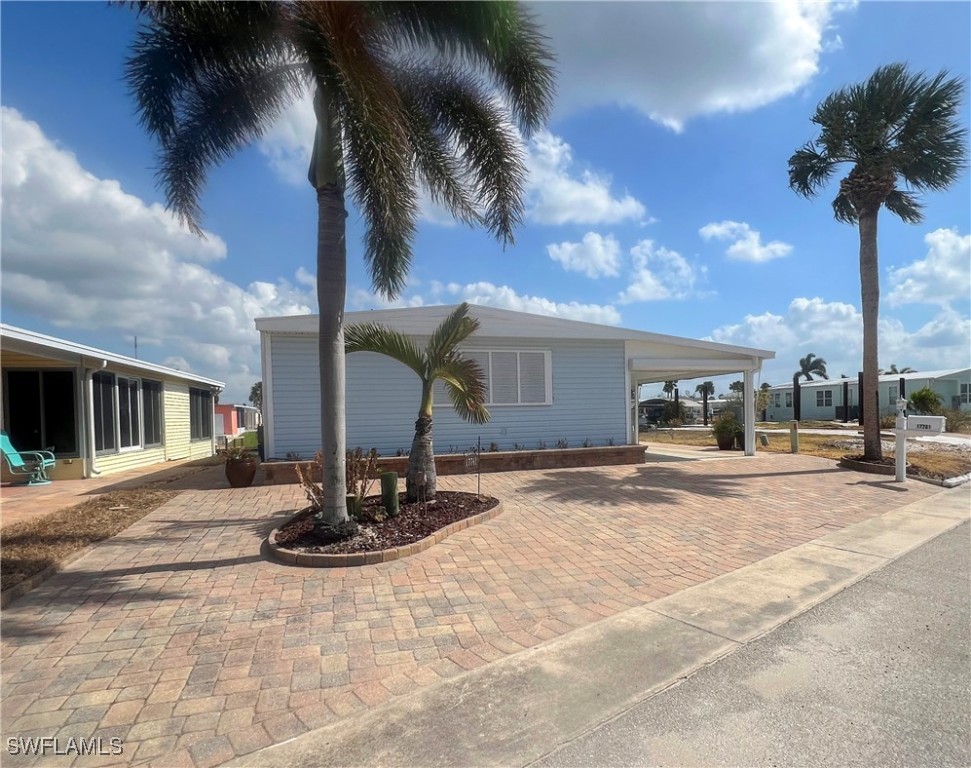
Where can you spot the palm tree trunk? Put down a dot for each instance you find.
(421, 482)
(331, 289)
(870, 298)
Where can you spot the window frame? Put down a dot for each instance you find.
(158, 413)
(824, 398)
(136, 422)
(197, 393)
(964, 392)
(99, 380)
(788, 400)
(547, 374)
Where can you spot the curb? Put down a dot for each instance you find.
(354, 559)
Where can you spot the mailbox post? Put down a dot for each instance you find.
(912, 426)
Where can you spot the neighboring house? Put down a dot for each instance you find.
(97, 411)
(548, 379)
(233, 420)
(824, 399)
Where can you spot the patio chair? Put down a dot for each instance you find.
(32, 465)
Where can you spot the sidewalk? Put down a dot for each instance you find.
(179, 637)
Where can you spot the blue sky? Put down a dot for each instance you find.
(658, 196)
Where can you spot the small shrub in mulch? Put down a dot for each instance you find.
(415, 521)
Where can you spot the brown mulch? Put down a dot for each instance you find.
(414, 522)
(34, 545)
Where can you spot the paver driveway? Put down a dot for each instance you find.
(180, 638)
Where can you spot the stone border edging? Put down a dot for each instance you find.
(867, 467)
(353, 559)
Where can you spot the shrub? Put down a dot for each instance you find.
(727, 425)
(674, 413)
(957, 421)
(926, 401)
(361, 472)
(888, 422)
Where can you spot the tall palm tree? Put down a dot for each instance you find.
(809, 365)
(895, 127)
(893, 369)
(669, 387)
(440, 359)
(256, 395)
(706, 388)
(407, 95)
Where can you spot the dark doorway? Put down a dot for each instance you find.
(41, 412)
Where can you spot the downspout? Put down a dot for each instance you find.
(89, 373)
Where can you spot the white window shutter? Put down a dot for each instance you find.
(532, 381)
(505, 378)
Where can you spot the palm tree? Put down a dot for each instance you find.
(896, 126)
(893, 369)
(440, 359)
(737, 386)
(407, 96)
(256, 395)
(669, 387)
(706, 387)
(809, 365)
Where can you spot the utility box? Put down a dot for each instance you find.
(929, 424)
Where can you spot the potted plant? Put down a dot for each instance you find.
(241, 464)
(727, 431)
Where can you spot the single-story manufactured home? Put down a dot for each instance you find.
(97, 411)
(825, 399)
(549, 381)
(233, 420)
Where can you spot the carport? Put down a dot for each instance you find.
(673, 359)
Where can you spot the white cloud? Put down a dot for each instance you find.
(834, 331)
(82, 253)
(658, 273)
(944, 275)
(594, 256)
(675, 61)
(288, 143)
(747, 242)
(558, 196)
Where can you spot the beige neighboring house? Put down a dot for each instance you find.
(100, 412)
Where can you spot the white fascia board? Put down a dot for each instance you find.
(32, 343)
(702, 366)
(504, 323)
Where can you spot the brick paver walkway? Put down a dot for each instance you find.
(178, 637)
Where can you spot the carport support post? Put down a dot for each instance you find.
(900, 451)
(749, 405)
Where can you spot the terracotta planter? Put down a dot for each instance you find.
(725, 442)
(241, 472)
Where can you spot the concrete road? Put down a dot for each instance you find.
(880, 675)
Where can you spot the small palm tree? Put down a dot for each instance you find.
(407, 96)
(895, 127)
(440, 359)
(809, 365)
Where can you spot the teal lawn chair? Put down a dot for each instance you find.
(32, 465)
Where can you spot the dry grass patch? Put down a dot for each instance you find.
(925, 459)
(33, 545)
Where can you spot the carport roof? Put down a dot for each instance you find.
(32, 343)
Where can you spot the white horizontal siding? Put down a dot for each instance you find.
(383, 397)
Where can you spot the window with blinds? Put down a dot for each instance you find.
(515, 377)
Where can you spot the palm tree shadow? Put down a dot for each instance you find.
(656, 484)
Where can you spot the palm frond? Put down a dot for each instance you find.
(221, 113)
(464, 382)
(501, 37)
(186, 41)
(373, 337)
(488, 147)
(905, 205)
(843, 209)
(809, 169)
(451, 332)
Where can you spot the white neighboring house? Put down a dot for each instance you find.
(549, 380)
(100, 412)
(824, 399)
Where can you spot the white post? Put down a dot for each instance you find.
(901, 447)
(749, 394)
